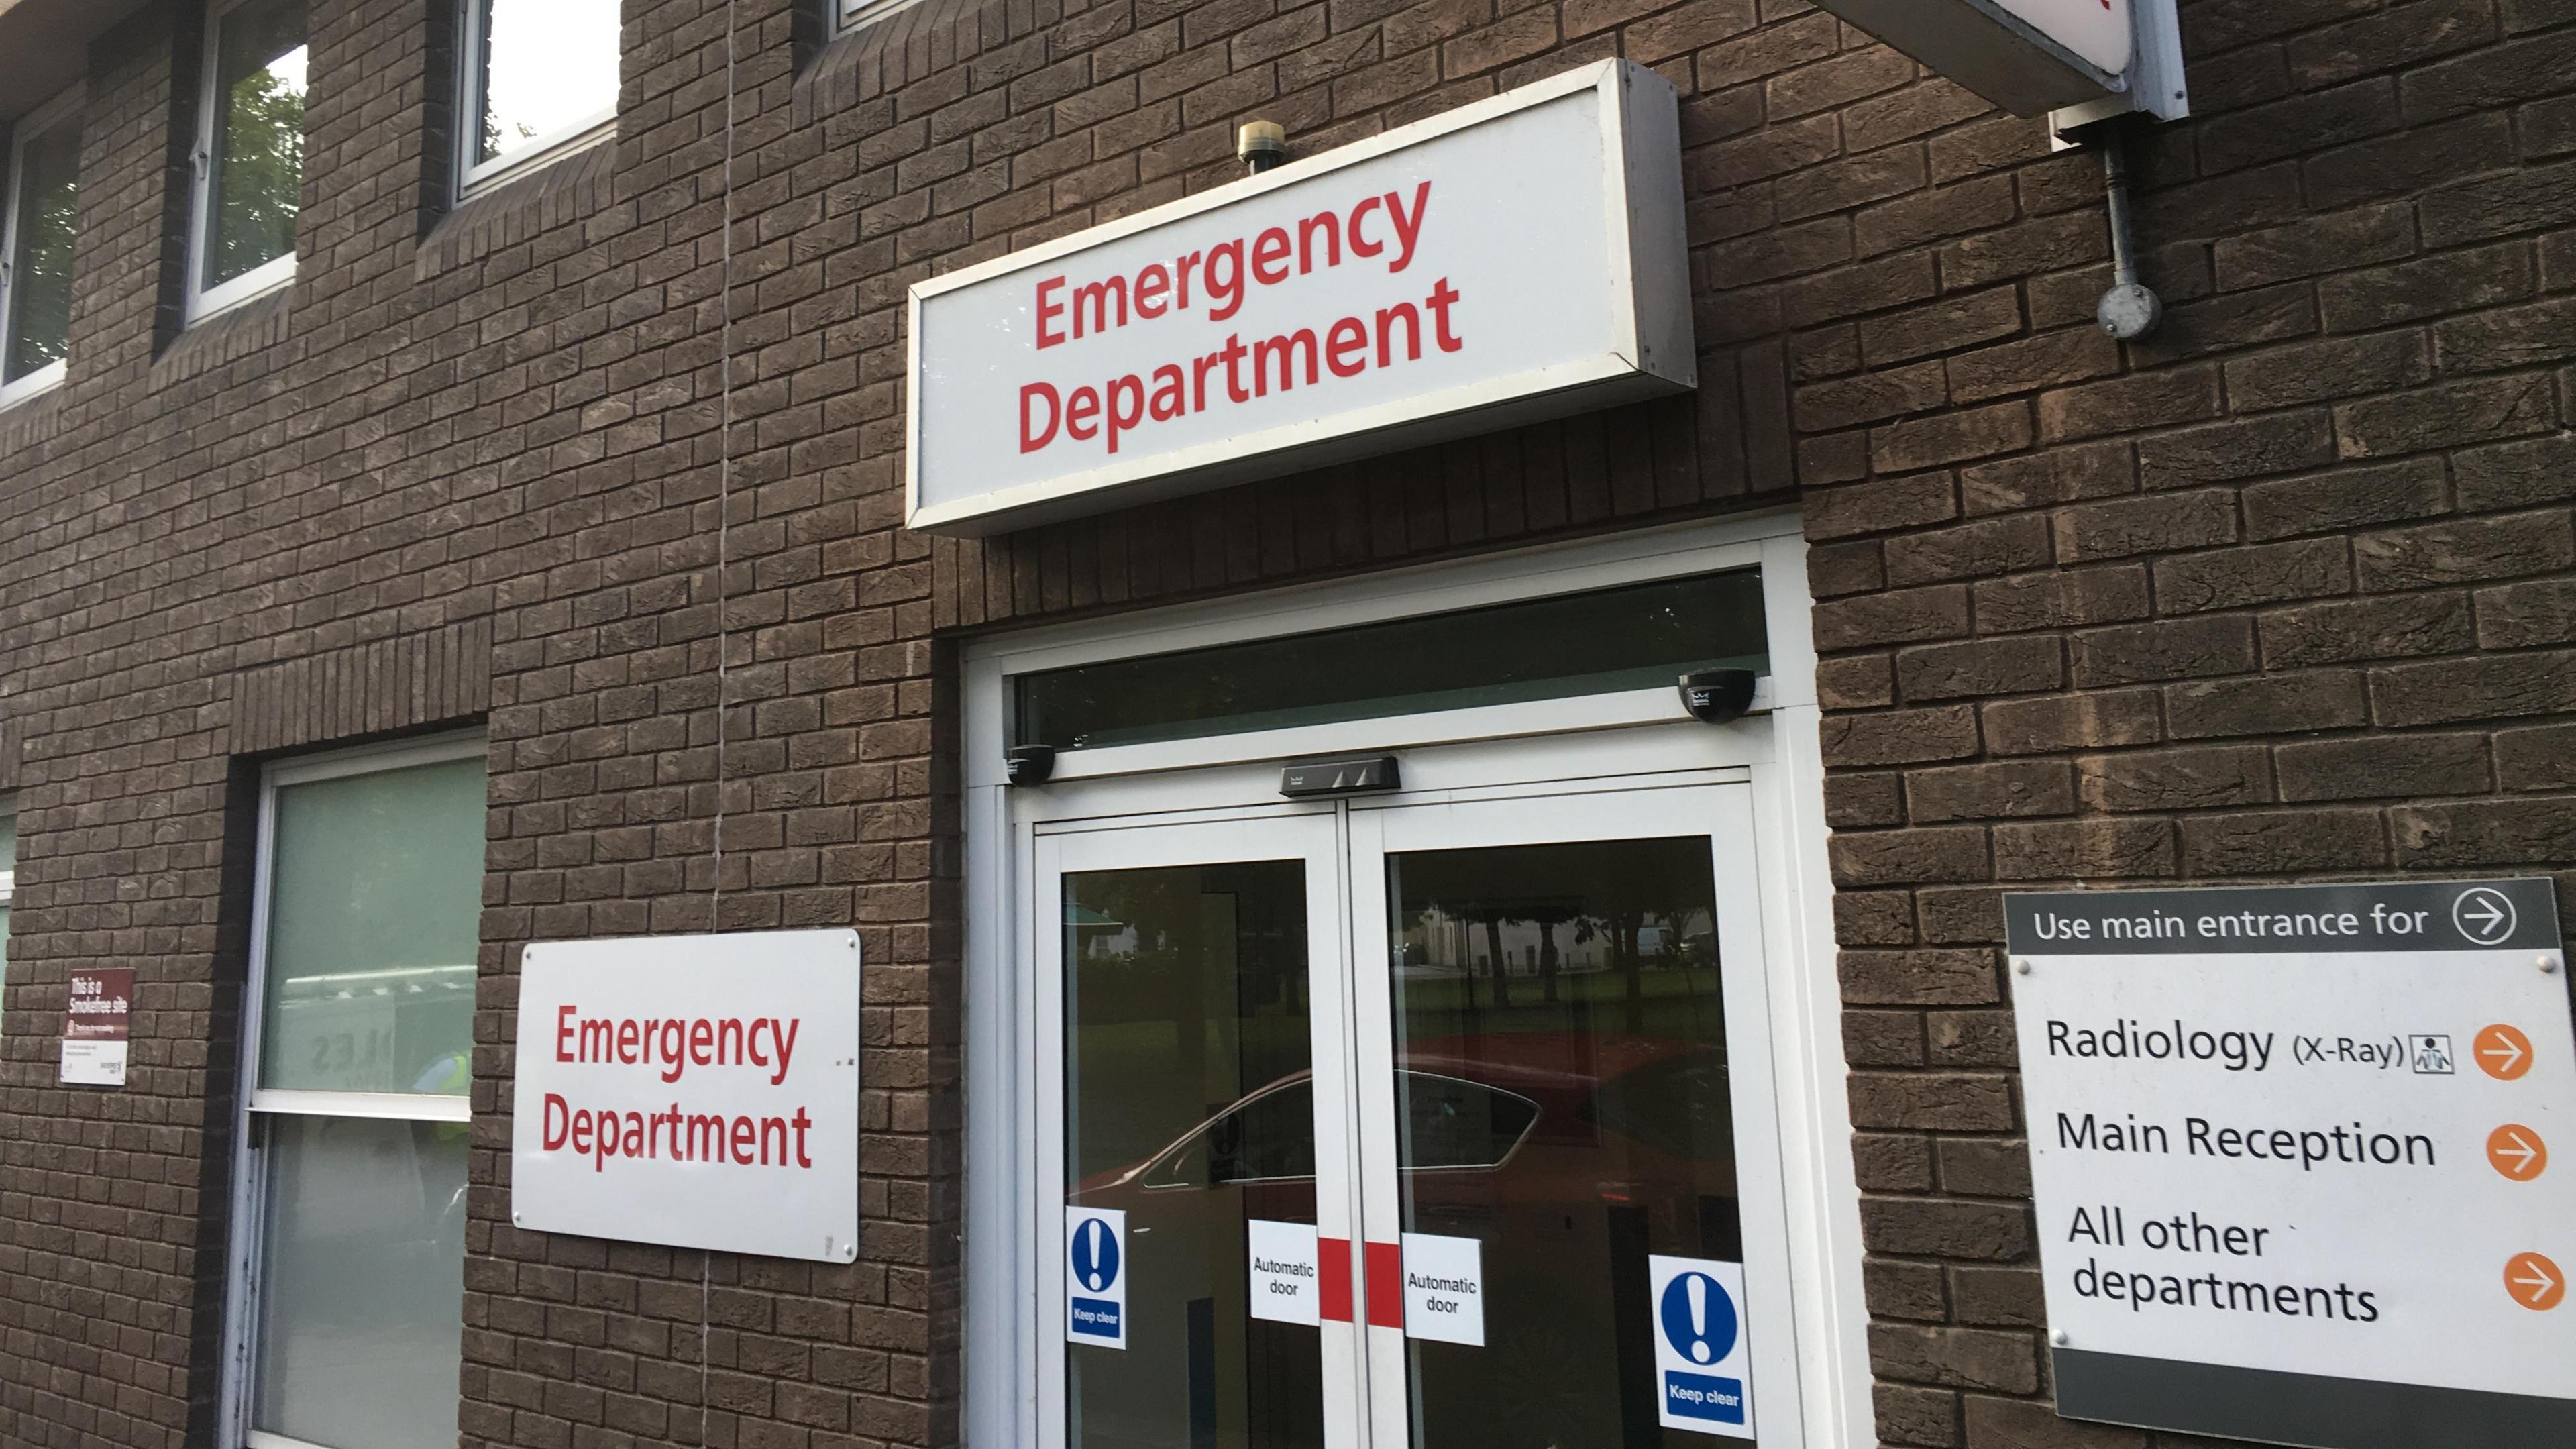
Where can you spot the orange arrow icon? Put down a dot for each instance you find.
(2535, 1282)
(2503, 1052)
(2517, 1152)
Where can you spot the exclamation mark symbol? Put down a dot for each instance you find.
(1091, 1234)
(1699, 1318)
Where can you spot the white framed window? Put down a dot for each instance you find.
(345, 1315)
(42, 194)
(8, 876)
(846, 13)
(249, 160)
(539, 78)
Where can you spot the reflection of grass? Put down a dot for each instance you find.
(1672, 1004)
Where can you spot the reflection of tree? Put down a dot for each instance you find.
(1639, 898)
(261, 183)
(494, 137)
(40, 301)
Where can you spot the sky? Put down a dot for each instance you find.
(554, 64)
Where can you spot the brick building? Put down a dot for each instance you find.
(538, 407)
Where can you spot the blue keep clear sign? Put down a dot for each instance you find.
(1703, 1373)
(1095, 1277)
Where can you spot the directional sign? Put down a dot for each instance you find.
(1703, 1365)
(1095, 1297)
(2518, 1152)
(2275, 1201)
(2504, 1052)
(2535, 1282)
(2483, 915)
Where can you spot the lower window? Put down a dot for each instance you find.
(349, 1249)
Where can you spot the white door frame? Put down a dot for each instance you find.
(1601, 810)
(1311, 834)
(1494, 748)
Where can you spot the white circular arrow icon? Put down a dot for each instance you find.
(2532, 1271)
(2483, 915)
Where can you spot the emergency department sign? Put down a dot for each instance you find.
(1518, 258)
(696, 1091)
(2295, 1157)
(2034, 56)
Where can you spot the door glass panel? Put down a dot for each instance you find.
(1561, 1098)
(1189, 1107)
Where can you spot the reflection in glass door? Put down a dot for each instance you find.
(1192, 1146)
(1555, 1141)
(1522, 1043)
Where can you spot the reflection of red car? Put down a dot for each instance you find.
(1571, 1157)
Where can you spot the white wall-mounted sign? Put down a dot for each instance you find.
(98, 1027)
(699, 1091)
(1095, 1276)
(1444, 1288)
(1703, 1365)
(2036, 56)
(1517, 258)
(1286, 1275)
(2294, 1156)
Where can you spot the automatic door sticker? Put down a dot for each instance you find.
(1095, 1277)
(1703, 1373)
(1286, 1281)
(1444, 1289)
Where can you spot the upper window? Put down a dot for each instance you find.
(540, 76)
(844, 13)
(8, 875)
(43, 195)
(250, 152)
(359, 1055)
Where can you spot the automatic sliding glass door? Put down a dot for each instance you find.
(1202, 1087)
(1411, 1126)
(1565, 1121)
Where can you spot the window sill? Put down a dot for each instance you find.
(267, 279)
(517, 207)
(491, 176)
(25, 422)
(34, 385)
(248, 326)
(847, 69)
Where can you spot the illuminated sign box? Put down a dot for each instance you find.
(2036, 56)
(1516, 259)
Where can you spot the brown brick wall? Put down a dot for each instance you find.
(2284, 592)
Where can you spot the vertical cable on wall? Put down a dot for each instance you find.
(724, 638)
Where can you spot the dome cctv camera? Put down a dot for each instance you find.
(1718, 696)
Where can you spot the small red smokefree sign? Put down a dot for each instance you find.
(696, 1091)
(97, 1027)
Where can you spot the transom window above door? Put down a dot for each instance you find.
(1641, 636)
